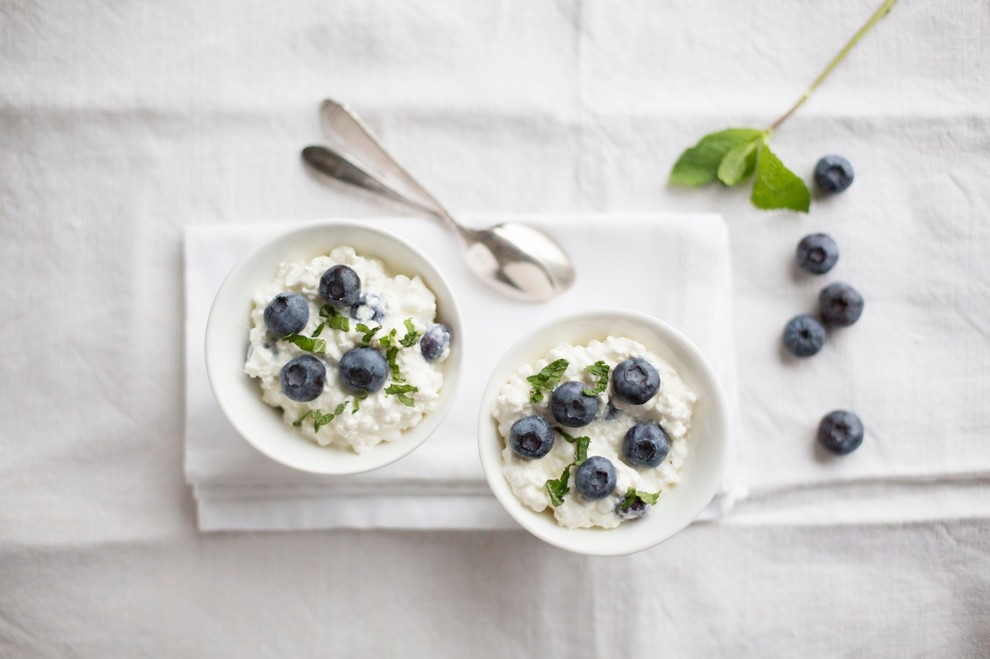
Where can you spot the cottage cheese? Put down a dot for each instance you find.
(381, 417)
(671, 408)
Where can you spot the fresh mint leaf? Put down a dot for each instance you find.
(367, 332)
(335, 319)
(357, 401)
(391, 355)
(400, 391)
(581, 445)
(739, 163)
(632, 494)
(557, 487)
(699, 165)
(598, 370)
(298, 422)
(546, 379)
(776, 186)
(319, 330)
(307, 343)
(412, 336)
(323, 419)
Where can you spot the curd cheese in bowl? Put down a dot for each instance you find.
(603, 433)
(335, 347)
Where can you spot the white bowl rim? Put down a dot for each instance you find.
(350, 462)
(490, 442)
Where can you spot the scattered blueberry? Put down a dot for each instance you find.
(434, 342)
(635, 381)
(611, 411)
(840, 304)
(364, 369)
(840, 432)
(645, 445)
(833, 174)
(368, 309)
(571, 407)
(303, 378)
(636, 509)
(817, 253)
(804, 335)
(531, 437)
(286, 314)
(595, 478)
(340, 286)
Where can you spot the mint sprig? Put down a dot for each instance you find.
(335, 319)
(733, 155)
(632, 494)
(557, 487)
(411, 337)
(367, 332)
(599, 370)
(546, 379)
(400, 391)
(320, 419)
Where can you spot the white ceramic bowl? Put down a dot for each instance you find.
(227, 339)
(703, 468)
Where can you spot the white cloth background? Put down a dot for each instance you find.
(677, 267)
(123, 122)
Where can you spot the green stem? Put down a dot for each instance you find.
(874, 19)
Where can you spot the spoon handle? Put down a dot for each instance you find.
(348, 129)
(337, 165)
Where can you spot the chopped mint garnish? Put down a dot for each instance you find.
(298, 422)
(632, 494)
(557, 487)
(367, 332)
(306, 343)
(388, 340)
(321, 420)
(319, 330)
(599, 370)
(357, 401)
(580, 446)
(391, 354)
(412, 336)
(335, 319)
(400, 391)
(546, 379)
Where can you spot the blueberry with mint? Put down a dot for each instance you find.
(286, 314)
(833, 174)
(340, 286)
(840, 304)
(595, 478)
(531, 437)
(434, 342)
(364, 369)
(572, 407)
(368, 309)
(635, 510)
(302, 378)
(817, 253)
(804, 335)
(840, 432)
(635, 381)
(645, 445)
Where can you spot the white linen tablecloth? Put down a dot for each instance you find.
(675, 266)
(123, 122)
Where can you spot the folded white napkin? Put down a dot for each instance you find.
(675, 267)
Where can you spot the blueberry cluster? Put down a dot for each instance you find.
(363, 369)
(645, 445)
(839, 305)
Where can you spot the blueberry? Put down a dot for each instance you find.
(368, 309)
(840, 304)
(595, 478)
(611, 411)
(571, 407)
(340, 286)
(303, 378)
(364, 369)
(817, 253)
(804, 335)
(531, 437)
(635, 381)
(434, 342)
(286, 314)
(833, 174)
(645, 445)
(636, 509)
(840, 432)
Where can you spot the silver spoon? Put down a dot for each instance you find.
(513, 258)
